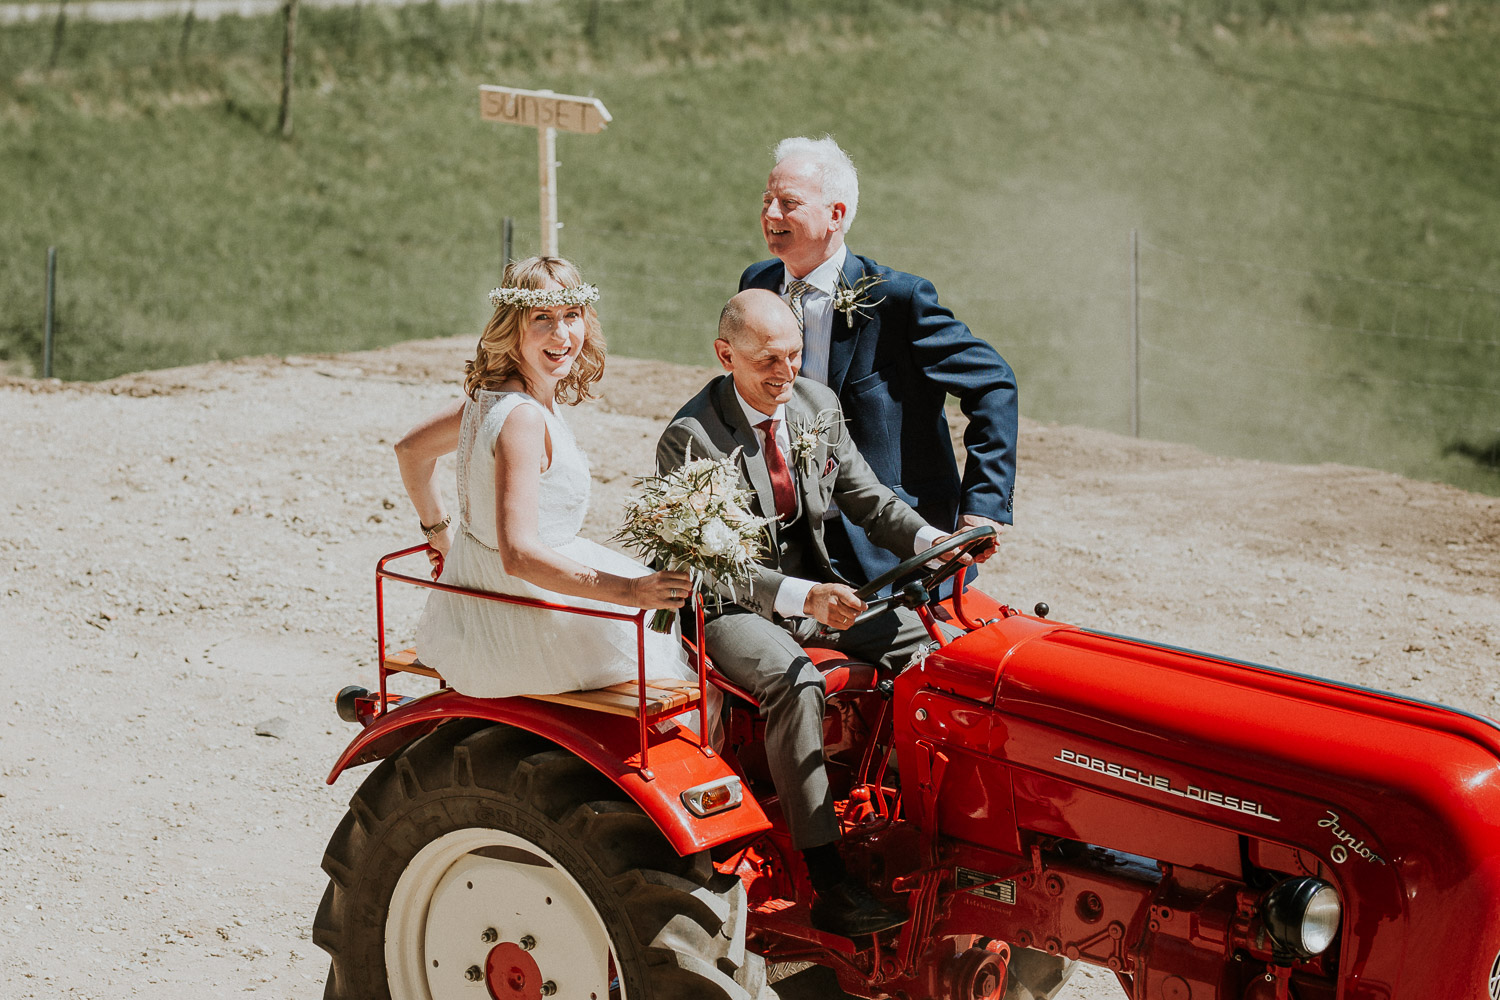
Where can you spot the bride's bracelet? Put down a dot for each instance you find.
(431, 531)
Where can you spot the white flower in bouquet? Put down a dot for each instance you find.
(696, 517)
(719, 539)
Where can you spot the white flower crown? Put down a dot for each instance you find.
(544, 298)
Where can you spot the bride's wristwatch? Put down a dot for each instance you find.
(430, 531)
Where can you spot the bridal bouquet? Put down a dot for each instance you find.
(696, 517)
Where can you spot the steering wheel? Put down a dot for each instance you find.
(955, 547)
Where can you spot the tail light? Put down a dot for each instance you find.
(713, 797)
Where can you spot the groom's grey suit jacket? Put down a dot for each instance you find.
(713, 424)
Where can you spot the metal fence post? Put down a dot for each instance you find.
(1135, 334)
(288, 67)
(58, 30)
(478, 35)
(51, 310)
(187, 34)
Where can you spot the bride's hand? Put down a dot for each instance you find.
(661, 590)
(441, 543)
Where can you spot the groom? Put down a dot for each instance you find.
(755, 640)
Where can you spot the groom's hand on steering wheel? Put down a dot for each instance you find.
(834, 605)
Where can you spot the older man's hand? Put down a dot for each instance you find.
(967, 521)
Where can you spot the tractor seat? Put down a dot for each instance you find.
(663, 695)
(841, 675)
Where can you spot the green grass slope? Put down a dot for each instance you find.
(1314, 184)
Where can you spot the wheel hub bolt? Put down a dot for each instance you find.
(474, 974)
(549, 988)
(490, 935)
(528, 942)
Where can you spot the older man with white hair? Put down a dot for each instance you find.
(891, 352)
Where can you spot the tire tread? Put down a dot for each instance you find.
(686, 921)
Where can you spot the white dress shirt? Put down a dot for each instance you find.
(817, 312)
(791, 596)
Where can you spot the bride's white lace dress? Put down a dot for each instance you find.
(493, 650)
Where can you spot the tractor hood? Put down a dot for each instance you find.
(1396, 801)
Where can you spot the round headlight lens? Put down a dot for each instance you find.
(1320, 921)
(1302, 915)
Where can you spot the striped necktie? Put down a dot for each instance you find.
(797, 288)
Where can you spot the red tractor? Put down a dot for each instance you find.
(1033, 795)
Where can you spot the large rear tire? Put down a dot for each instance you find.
(482, 853)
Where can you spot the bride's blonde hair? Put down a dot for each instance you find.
(498, 354)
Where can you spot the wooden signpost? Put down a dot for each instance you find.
(546, 112)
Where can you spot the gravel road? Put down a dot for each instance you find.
(186, 561)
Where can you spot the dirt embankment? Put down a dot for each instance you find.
(186, 556)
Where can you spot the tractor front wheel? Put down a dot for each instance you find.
(483, 854)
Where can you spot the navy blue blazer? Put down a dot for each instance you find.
(893, 365)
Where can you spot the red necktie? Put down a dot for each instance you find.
(781, 476)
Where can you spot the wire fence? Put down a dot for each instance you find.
(108, 11)
(1240, 357)
(1199, 345)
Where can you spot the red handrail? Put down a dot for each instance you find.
(639, 618)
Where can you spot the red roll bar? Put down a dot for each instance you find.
(639, 618)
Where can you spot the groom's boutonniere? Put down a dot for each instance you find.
(855, 298)
(806, 435)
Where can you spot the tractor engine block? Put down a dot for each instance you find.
(1168, 933)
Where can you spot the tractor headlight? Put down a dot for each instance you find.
(1302, 915)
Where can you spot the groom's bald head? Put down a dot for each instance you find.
(755, 313)
(760, 345)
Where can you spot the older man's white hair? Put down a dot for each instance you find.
(835, 169)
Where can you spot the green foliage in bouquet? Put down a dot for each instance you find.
(696, 518)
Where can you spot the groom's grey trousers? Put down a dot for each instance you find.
(765, 658)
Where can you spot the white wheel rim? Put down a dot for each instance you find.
(449, 896)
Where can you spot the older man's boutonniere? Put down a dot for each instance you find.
(807, 435)
(855, 298)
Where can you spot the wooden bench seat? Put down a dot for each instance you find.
(662, 695)
(406, 662)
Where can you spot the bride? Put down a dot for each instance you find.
(523, 489)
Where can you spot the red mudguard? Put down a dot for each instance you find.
(611, 743)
